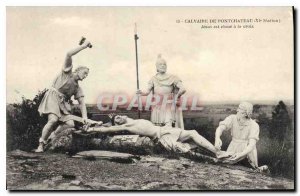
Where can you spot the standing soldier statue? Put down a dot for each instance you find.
(165, 86)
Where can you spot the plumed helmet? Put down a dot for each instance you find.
(160, 61)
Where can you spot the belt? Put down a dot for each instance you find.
(59, 93)
(62, 96)
(239, 140)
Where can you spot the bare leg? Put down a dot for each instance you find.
(65, 125)
(52, 120)
(198, 139)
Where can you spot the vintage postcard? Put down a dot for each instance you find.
(150, 98)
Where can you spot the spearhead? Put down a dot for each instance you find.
(135, 32)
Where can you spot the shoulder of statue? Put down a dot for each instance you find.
(71, 75)
(153, 77)
(232, 116)
(175, 77)
(254, 123)
(164, 77)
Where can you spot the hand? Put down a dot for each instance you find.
(139, 92)
(236, 156)
(99, 123)
(90, 129)
(85, 127)
(86, 44)
(111, 115)
(178, 102)
(218, 143)
(84, 120)
(223, 154)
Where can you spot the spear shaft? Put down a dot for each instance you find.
(137, 67)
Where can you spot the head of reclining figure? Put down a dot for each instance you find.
(119, 120)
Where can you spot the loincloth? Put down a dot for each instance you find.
(168, 138)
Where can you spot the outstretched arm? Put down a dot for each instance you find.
(111, 129)
(68, 59)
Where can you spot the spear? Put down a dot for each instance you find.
(137, 67)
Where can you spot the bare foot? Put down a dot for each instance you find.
(222, 154)
(40, 148)
(264, 169)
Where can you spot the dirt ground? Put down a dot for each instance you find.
(51, 171)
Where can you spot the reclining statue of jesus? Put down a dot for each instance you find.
(169, 137)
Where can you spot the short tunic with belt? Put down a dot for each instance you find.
(57, 98)
(241, 133)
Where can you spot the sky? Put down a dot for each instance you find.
(217, 64)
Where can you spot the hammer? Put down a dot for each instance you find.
(82, 41)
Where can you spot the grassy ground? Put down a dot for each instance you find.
(49, 171)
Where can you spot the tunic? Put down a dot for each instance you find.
(241, 133)
(57, 98)
(166, 87)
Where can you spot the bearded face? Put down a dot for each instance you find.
(161, 67)
(245, 110)
(241, 113)
(119, 120)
